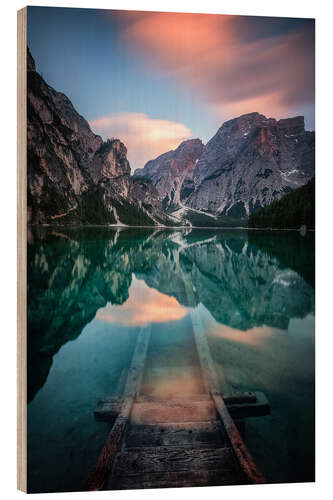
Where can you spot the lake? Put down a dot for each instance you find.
(91, 291)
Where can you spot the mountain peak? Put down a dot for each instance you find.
(168, 171)
(257, 119)
(293, 125)
(188, 143)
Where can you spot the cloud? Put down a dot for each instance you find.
(145, 137)
(237, 64)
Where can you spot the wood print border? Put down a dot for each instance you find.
(21, 249)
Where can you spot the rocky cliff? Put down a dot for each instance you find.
(73, 176)
(251, 161)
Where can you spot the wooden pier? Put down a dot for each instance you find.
(175, 441)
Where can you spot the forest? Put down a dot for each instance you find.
(295, 209)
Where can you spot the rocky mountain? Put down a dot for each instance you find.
(72, 175)
(169, 171)
(250, 162)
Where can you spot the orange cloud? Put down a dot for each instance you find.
(145, 305)
(145, 137)
(225, 60)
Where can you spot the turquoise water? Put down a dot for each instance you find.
(91, 291)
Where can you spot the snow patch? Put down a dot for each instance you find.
(285, 279)
(118, 221)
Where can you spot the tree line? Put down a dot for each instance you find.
(290, 212)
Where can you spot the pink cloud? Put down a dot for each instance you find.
(221, 59)
(145, 137)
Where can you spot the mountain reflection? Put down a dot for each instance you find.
(244, 280)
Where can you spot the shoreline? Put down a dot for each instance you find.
(124, 228)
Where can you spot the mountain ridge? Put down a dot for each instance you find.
(250, 162)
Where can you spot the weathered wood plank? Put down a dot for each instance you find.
(243, 455)
(240, 405)
(175, 398)
(258, 408)
(232, 398)
(173, 411)
(177, 426)
(107, 456)
(180, 479)
(239, 397)
(165, 459)
(155, 435)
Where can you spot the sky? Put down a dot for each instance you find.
(154, 79)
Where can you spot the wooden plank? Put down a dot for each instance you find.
(173, 411)
(155, 435)
(171, 459)
(239, 397)
(107, 456)
(240, 405)
(204, 425)
(179, 479)
(179, 426)
(243, 455)
(175, 398)
(258, 408)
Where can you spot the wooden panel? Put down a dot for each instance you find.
(22, 249)
(173, 460)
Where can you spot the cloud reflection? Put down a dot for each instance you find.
(256, 336)
(144, 305)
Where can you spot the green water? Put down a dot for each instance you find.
(91, 291)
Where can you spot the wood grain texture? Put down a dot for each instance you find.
(181, 479)
(171, 459)
(156, 435)
(22, 249)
